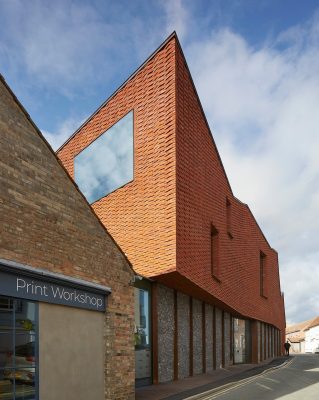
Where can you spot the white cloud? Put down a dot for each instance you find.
(263, 107)
(64, 131)
(261, 103)
(59, 44)
(177, 18)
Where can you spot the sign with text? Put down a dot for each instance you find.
(26, 287)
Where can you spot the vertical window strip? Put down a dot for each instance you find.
(215, 253)
(262, 266)
(229, 217)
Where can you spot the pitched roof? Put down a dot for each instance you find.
(297, 339)
(302, 326)
(313, 323)
(40, 134)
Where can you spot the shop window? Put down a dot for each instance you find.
(262, 266)
(214, 248)
(107, 163)
(142, 334)
(18, 349)
(229, 218)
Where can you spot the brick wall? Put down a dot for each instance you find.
(202, 193)
(179, 190)
(141, 215)
(46, 223)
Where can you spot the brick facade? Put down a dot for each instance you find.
(46, 223)
(180, 190)
(203, 192)
(141, 215)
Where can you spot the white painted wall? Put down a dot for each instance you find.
(311, 339)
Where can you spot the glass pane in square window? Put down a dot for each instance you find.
(107, 163)
(6, 314)
(24, 376)
(6, 387)
(6, 350)
(25, 351)
(6, 304)
(25, 392)
(25, 317)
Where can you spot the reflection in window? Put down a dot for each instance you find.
(142, 328)
(18, 349)
(143, 369)
(242, 341)
(107, 163)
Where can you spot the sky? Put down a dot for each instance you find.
(256, 68)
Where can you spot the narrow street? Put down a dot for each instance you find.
(299, 379)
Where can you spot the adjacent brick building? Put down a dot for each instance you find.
(214, 292)
(51, 238)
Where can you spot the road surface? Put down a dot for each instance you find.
(297, 380)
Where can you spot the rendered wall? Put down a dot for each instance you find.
(71, 354)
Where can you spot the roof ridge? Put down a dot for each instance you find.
(38, 131)
(159, 48)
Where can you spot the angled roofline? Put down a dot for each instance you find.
(314, 322)
(172, 35)
(257, 224)
(216, 148)
(27, 115)
(168, 39)
(203, 113)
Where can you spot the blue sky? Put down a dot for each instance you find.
(255, 65)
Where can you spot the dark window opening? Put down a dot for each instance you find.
(262, 271)
(214, 246)
(229, 218)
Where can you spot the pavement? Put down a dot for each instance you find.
(195, 387)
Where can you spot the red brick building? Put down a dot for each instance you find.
(214, 297)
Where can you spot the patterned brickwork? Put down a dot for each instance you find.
(46, 223)
(162, 219)
(202, 193)
(141, 215)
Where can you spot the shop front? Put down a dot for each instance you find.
(42, 313)
(18, 349)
